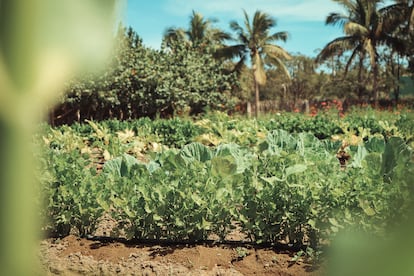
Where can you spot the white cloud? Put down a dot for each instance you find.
(302, 10)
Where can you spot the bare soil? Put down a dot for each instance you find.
(72, 256)
(75, 256)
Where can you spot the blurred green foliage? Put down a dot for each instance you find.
(42, 44)
(141, 81)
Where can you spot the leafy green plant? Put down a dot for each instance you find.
(72, 193)
(279, 186)
(141, 81)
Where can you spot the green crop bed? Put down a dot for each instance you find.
(276, 179)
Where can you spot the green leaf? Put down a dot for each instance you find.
(272, 180)
(364, 204)
(124, 169)
(156, 217)
(224, 166)
(205, 224)
(312, 223)
(375, 144)
(147, 208)
(102, 203)
(113, 167)
(197, 199)
(397, 159)
(120, 166)
(221, 193)
(178, 222)
(118, 202)
(129, 213)
(152, 166)
(373, 164)
(241, 156)
(358, 157)
(297, 168)
(334, 222)
(279, 140)
(195, 152)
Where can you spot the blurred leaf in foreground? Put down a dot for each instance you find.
(42, 44)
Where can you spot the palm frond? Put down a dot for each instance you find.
(336, 19)
(275, 51)
(283, 36)
(217, 36)
(336, 47)
(236, 27)
(247, 23)
(198, 27)
(174, 35)
(355, 29)
(351, 58)
(392, 16)
(239, 65)
(395, 43)
(279, 65)
(262, 22)
(231, 52)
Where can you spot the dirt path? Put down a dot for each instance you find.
(75, 256)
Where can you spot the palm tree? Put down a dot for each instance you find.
(200, 34)
(365, 30)
(403, 11)
(256, 43)
(400, 18)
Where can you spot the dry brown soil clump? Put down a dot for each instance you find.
(74, 256)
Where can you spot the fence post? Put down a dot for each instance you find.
(249, 109)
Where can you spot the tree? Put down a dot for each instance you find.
(400, 19)
(141, 81)
(256, 42)
(401, 13)
(365, 30)
(200, 34)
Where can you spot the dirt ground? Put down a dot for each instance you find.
(75, 256)
(72, 256)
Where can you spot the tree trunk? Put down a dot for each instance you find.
(256, 98)
(375, 84)
(374, 70)
(249, 109)
(397, 87)
(360, 86)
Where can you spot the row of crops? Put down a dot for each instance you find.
(275, 179)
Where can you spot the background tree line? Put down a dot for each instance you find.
(140, 81)
(201, 67)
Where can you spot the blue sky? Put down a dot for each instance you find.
(302, 19)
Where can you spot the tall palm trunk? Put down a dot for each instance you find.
(360, 86)
(375, 83)
(256, 98)
(374, 70)
(397, 87)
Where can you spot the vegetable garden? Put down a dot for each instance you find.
(289, 178)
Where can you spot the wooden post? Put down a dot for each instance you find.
(249, 109)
